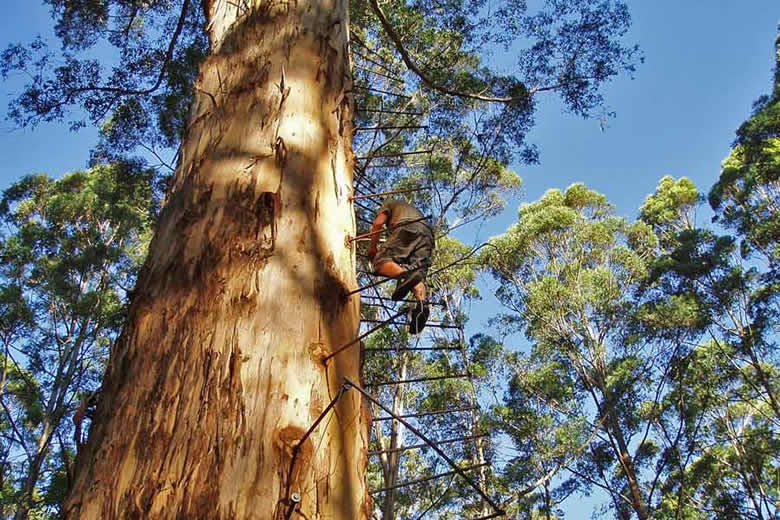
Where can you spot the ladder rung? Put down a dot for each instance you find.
(384, 298)
(425, 445)
(391, 78)
(425, 414)
(381, 111)
(426, 479)
(397, 154)
(493, 515)
(417, 380)
(389, 127)
(434, 325)
(372, 89)
(401, 349)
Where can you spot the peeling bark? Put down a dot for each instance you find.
(218, 372)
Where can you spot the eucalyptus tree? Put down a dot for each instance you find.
(208, 393)
(642, 379)
(568, 271)
(746, 200)
(720, 422)
(69, 247)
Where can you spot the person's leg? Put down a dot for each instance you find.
(421, 259)
(391, 261)
(419, 292)
(389, 268)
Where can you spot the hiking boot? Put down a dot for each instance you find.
(406, 282)
(419, 317)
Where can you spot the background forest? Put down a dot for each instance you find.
(617, 313)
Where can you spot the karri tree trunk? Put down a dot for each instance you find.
(219, 372)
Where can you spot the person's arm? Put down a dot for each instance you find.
(379, 221)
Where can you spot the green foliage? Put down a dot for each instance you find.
(746, 197)
(723, 400)
(650, 359)
(71, 249)
(143, 100)
(569, 273)
(671, 209)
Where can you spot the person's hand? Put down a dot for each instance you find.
(372, 251)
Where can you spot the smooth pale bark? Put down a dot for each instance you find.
(472, 400)
(219, 370)
(391, 461)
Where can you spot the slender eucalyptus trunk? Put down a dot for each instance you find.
(620, 446)
(33, 473)
(391, 462)
(478, 456)
(219, 371)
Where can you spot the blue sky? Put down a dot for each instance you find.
(705, 64)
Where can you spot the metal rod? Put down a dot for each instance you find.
(372, 89)
(363, 206)
(432, 325)
(426, 439)
(399, 154)
(417, 380)
(493, 515)
(354, 39)
(364, 235)
(423, 445)
(437, 271)
(357, 340)
(372, 71)
(380, 111)
(369, 304)
(384, 193)
(384, 298)
(297, 448)
(380, 65)
(367, 183)
(361, 189)
(426, 479)
(393, 165)
(388, 127)
(408, 348)
(372, 284)
(426, 414)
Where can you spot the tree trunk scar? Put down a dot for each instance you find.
(284, 92)
(280, 151)
(333, 170)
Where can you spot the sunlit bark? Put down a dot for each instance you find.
(218, 373)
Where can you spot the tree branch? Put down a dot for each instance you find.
(407, 59)
(161, 76)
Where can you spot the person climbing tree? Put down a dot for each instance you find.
(405, 255)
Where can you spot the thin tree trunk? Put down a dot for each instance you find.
(626, 461)
(34, 472)
(478, 457)
(219, 371)
(391, 462)
(547, 500)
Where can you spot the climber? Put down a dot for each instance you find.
(405, 255)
